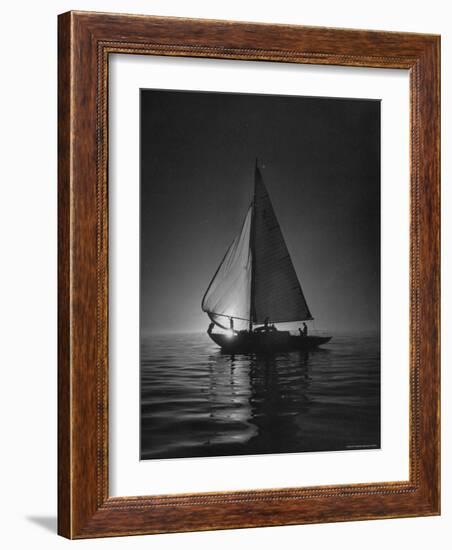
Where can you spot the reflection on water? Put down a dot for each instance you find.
(196, 401)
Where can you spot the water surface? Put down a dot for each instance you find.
(196, 401)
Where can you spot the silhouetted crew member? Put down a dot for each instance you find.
(305, 329)
(231, 323)
(209, 330)
(266, 321)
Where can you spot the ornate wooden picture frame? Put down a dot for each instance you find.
(86, 41)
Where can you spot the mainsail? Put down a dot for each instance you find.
(256, 279)
(275, 290)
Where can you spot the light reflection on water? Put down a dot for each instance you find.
(196, 401)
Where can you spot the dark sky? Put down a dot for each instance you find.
(321, 160)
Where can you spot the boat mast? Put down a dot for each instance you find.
(252, 240)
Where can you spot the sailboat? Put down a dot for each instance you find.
(256, 286)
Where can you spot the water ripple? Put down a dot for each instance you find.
(196, 401)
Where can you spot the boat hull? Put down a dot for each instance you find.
(266, 343)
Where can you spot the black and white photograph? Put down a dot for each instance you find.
(259, 274)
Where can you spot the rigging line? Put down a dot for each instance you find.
(216, 322)
(227, 316)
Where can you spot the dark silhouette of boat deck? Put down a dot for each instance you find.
(250, 342)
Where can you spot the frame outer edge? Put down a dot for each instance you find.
(433, 264)
(427, 287)
(438, 146)
(64, 293)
